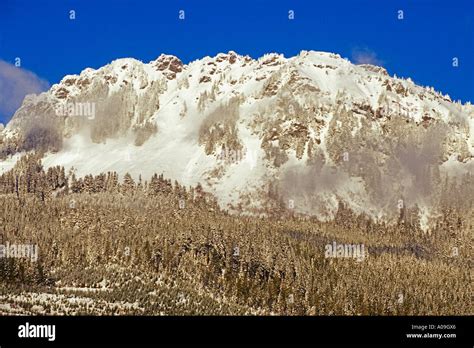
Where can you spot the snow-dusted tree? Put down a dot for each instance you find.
(128, 184)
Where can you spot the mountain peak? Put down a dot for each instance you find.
(169, 65)
(230, 57)
(317, 126)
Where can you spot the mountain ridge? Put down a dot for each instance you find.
(316, 126)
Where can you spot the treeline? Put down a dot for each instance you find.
(29, 177)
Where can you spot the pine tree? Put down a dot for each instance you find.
(128, 185)
(88, 184)
(76, 186)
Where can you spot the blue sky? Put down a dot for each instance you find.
(420, 46)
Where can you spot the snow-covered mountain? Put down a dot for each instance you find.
(314, 127)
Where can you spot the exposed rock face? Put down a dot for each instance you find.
(169, 65)
(374, 68)
(317, 127)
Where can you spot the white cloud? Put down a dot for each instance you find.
(366, 56)
(15, 84)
